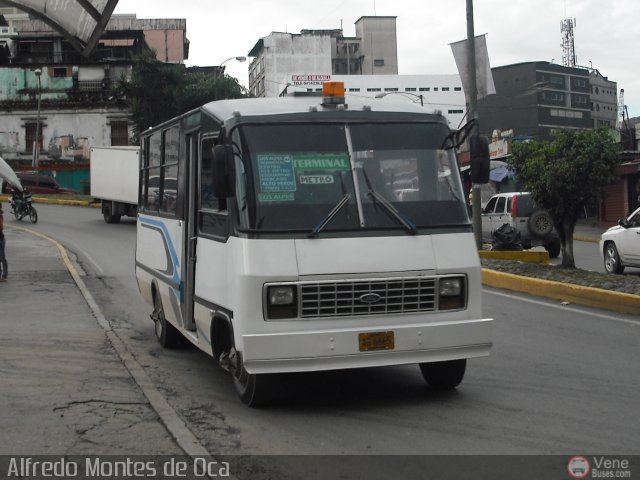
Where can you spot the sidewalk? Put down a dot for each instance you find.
(64, 389)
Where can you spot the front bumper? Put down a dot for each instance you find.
(339, 349)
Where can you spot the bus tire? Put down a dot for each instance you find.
(167, 335)
(253, 390)
(444, 375)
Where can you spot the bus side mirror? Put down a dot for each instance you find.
(479, 153)
(223, 178)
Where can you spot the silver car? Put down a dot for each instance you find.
(518, 210)
(620, 245)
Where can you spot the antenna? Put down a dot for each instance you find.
(568, 47)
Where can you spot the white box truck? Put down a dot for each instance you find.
(114, 180)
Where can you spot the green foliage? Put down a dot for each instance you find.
(569, 173)
(158, 91)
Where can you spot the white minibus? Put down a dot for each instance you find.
(308, 233)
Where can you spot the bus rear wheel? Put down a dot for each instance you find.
(254, 390)
(444, 375)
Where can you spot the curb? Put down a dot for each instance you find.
(520, 255)
(581, 238)
(565, 292)
(78, 203)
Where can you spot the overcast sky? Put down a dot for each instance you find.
(606, 32)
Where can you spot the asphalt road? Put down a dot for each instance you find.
(560, 380)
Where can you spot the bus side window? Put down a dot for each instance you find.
(212, 211)
(151, 173)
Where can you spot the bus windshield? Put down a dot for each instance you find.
(338, 177)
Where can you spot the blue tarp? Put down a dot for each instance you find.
(500, 173)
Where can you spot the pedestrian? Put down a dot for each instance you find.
(3, 259)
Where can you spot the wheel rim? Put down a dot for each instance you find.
(610, 260)
(159, 317)
(240, 375)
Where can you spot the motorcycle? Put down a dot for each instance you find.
(22, 206)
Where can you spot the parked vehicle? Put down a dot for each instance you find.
(518, 210)
(620, 245)
(271, 235)
(40, 183)
(114, 180)
(22, 206)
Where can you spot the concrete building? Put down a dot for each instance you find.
(441, 93)
(604, 100)
(52, 95)
(534, 98)
(373, 51)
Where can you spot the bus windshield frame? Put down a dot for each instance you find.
(365, 176)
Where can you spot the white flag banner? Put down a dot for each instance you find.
(484, 78)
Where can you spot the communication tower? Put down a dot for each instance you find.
(568, 47)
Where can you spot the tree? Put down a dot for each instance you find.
(566, 175)
(158, 91)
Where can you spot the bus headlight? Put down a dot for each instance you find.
(451, 293)
(281, 302)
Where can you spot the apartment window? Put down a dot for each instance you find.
(457, 89)
(445, 89)
(119, 133)
(555, 80)
(409, 89)
(374, 89)
(354, 89)
(379, 62)
(435, 89)
(579, 82)
(425, 89)
(390, 89)
(456, 111)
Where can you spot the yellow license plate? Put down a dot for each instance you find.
(376, 341)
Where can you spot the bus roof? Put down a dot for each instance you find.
(227, 109)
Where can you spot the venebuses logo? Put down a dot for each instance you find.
(578, 467)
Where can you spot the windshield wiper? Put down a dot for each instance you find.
(330, 215)
(377, 198)
(393, 211)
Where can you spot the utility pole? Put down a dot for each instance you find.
(476, 192)
(36, 144)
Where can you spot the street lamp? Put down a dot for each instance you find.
(36, 146)
(238, 59)
(382, 95)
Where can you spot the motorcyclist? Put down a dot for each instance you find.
(17, 199)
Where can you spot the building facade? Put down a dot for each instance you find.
(536, 98)
(53, 97)
(442, 93)
(373, 51)
(604, 100)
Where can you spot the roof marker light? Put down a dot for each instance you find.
(332, 93)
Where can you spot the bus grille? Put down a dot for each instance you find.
(393, 296)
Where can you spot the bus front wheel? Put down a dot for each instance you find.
(444, 375)
(253, 390)
(166, 333)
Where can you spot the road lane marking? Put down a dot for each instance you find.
(635, 323)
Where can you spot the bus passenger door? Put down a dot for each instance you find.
(190, 240)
